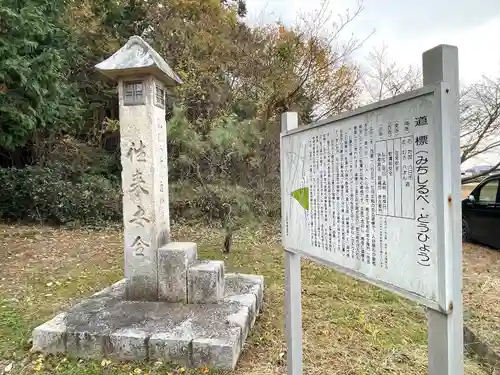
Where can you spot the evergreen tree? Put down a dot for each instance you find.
(35, 93)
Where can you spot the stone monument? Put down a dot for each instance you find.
(170, 305)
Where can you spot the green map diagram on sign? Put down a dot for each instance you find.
(302, 196)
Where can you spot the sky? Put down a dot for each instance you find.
(408, 28)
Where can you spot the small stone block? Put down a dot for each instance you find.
(238, 284)
(242, 319)
(218, 353)
(206, 282)
(128, 344)
(174, 260)
(50, 337)
(85, 345)
(249, 301)
(257, 288)
(170, 347)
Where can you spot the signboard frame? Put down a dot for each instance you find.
(444, 301)
(445, 318)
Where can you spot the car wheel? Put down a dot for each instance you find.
(465, 231)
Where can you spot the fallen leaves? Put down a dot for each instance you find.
(85, 262)
(105, 362)
(38, 363)
(8, 368)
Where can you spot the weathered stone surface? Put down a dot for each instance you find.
(248, 300)
(220, 352)
(108, 325)
(244, 319)
(143, 145)
(142, 287)
(174, 260)
(173, 346)
(116, 290)
(240, 284)
(86, 345)
(206, 282)
(128, 344)
(50, 337)
(139, 57)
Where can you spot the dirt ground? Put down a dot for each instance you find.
(349, 327)
(481, 292)
(481, 288)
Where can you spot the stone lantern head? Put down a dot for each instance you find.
(142, 74)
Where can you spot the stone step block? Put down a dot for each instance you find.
(206, 282)
(128, 344)
(85, 344)
(243, 318)
(173, 346)
(220, 351)
(241, 287)
(50, 337)
(174, 260)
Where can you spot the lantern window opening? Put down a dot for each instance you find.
(160, 96)
(133, 93)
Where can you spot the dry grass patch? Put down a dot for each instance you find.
(350, 328)
(482, 292)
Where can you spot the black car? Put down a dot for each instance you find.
(481, 213)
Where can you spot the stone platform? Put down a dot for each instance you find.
(107, 325)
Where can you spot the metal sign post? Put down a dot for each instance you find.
(293, 305)
(375, 194)
(445, 331)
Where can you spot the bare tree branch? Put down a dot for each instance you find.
(384, 79)
(479, 103)
(484, 173)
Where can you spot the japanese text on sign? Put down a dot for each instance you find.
(359, 193)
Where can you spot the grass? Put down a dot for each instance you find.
(481, 293)
(349, 327)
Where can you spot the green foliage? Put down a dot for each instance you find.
(213, 172)
(35, 51)
(56, 195)
(13, 328)
(224, 152)
(78, 157)
(223, 140)
(191, 201)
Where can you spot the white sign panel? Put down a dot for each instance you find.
(360, 193)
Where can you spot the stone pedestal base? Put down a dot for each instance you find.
(106, 325)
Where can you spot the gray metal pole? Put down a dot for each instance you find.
(445, 331)
(293, 289)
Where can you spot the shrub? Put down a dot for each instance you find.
(53, 194)
(191, 201)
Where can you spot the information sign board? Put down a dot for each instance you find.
(363, 193)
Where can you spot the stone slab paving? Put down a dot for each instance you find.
(106, 325)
